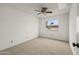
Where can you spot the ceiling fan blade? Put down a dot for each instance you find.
(37, 10)
(38, 13)
(48, 11)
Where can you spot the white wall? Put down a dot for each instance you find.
(77, 25)
(77, 33)
(72, 26)
(16, 25)
(77, 28)
(62, 33)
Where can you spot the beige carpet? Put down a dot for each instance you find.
(41, 46)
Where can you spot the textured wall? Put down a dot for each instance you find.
(62, 33)
(16, 26)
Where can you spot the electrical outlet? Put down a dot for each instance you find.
(11, 41)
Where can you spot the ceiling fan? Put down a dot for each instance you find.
(43, 11)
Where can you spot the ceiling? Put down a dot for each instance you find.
(57, 8)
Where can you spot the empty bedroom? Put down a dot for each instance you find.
(35, 28)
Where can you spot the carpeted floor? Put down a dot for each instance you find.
(40, 46)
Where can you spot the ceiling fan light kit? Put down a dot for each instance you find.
(43, 11)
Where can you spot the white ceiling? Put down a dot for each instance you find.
(30, 7)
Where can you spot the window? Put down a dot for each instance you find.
(52, 24)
